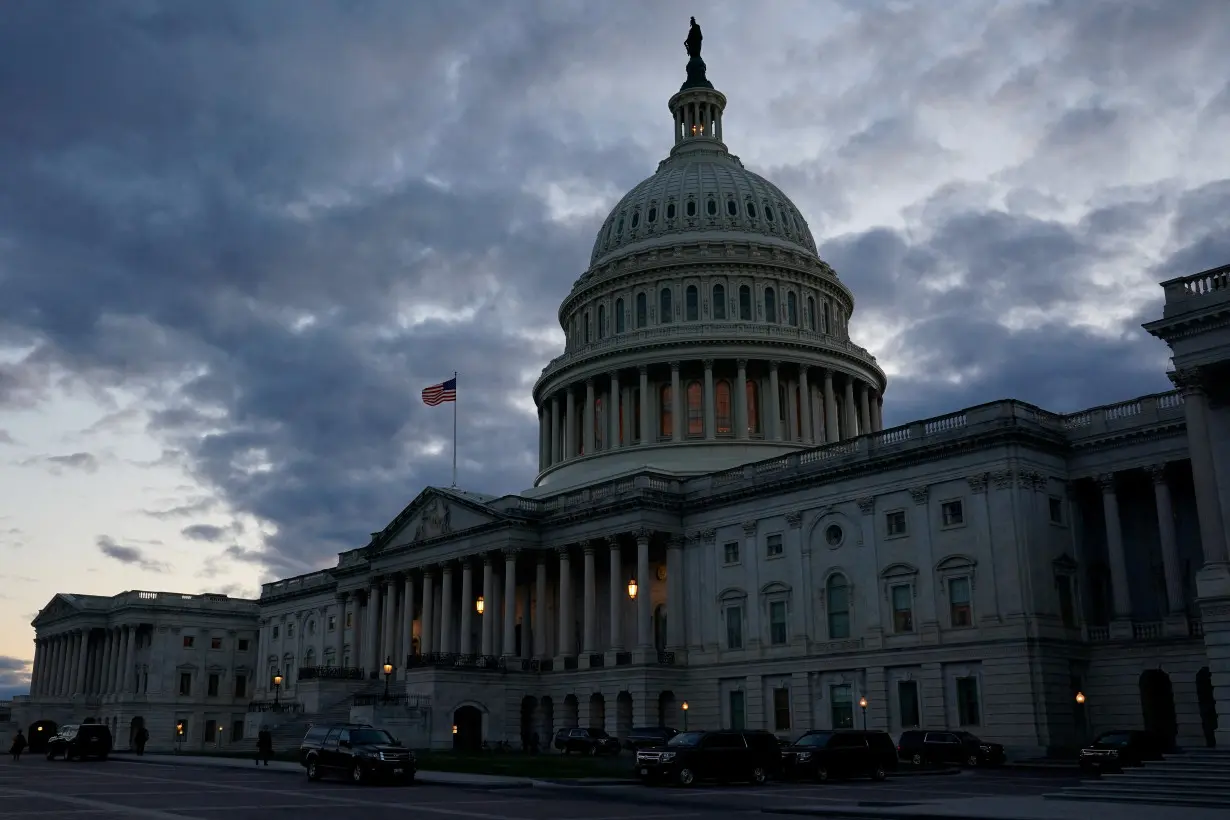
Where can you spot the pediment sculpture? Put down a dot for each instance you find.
(434, 520)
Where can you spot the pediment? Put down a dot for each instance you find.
(435, 513)
(60, 606)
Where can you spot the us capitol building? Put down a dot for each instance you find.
(721, 520)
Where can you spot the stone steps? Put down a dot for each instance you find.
(1197, 778)
(289, 735)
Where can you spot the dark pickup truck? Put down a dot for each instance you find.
(357, 751)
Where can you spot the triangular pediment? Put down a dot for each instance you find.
(60, 606)
(435, 513)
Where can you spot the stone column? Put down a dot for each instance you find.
(1169, 542)
(676, 404)
(339, 637)
(130, 656)
(805, 415)
(648, 433)
(371, 630)
(407, 617)
(614, 413)
(741, 399)
(53, 671)
(1200, 452)
(57, 674)
(864, 417)
(591, 602)
(851, 413)
(66, 672)
(540, 607)
(570, 424)
(877, 413)
(467, 607)
(509, 599)
(565, 603)
(792, 415)
(36, 669)
(676, 606)
(104, 678)
(556, 453)
(542, 439)
(426, 644)
(710, 402)
(644, 611)
(615, 593)
(488, 619)
(1114, 548)
(82, 656)
(117, 660)
(590, 417)
(832, 430)
(773, 430)
(448, 642)
(387, 631)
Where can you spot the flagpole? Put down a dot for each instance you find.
(454, 431)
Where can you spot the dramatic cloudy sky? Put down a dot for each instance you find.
(238, 238)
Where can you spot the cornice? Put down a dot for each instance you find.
(1136, 435)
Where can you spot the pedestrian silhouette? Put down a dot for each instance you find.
(19, 746)
(264, 746)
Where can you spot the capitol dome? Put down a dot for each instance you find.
(706, 333)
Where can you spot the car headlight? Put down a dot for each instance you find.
(667, 757)
(804, 757)
(985, 748)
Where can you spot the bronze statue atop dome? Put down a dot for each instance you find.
(692, 44)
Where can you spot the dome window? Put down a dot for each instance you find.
(732, 209)
(619, 316)
(751, 210)
(711, 207)
(666, 311)
(636, 219)
(619, 229)
(719, 301)
(642, 310)
(770, 305)
(652, 216)
(745, 303)
(692, 306)
(670, 210)
(768, 212)
(691, 207)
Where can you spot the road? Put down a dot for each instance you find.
(36, 788)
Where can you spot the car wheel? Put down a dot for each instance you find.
(822, 774)
(916, 760)
(593, 751)
(312, 772)
(878, 774)
(356, 773)
(972, 761)
(759, 775)
(686, 777)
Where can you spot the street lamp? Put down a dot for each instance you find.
(454, 728)
(480, 605)
(388, 673)
(684, 707)
(1080, 698)
(632, 589)
(863, 703)
(277, 690)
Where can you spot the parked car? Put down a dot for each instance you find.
(586, 742)
(725, 756)
(919, 746)
(80, 741)
(824, 755)
(356, 750)
(645, 737)
(1112, 751)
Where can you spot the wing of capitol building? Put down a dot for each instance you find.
(720, 521)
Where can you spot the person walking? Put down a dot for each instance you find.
(141, 739)
(264, 746)
(19, 746)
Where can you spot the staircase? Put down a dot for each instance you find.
(290, 734)
(1197, 778)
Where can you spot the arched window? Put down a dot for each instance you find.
(811, 313)
(691, 303)
(602, 321)
(792, 309)
(696, 409)
(723, 415)
(753, 407)
(598, 425)
(665, 412)
(619, 316)
(827, 320)
(770, 305)
(665, 308)
(719, 302)
(642, 310)
(586, 324)
(745, 303)
(309, 657)
(837, 600)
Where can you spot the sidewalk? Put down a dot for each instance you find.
(1004, 808)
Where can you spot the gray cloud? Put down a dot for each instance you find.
(7, 438)
(203, 532)
(276, 229)
(129, 555)
(86, 462)
(14, 676)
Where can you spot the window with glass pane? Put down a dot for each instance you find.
(781, 709)
(585, 323)
(1067, 610)
(968, 711)
(719, 302)
(601, 321)
(665, 412)
(773, 545)
(837, 596)
(907, 703)
(745, 303)
(642, 310)
(619, 315)
(958, 601)
(723, 412)
(792, 309)
(696, 409)
(770, 305)
(730, 552)
(734, 627)
(737, 720)
(777, 623)
(811, 313)
(665, 307)
(692, 303)
(903, 612)
(842, 705)
(828, 323)
(211, 686)
(753, 408)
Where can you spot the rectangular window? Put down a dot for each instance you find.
(907, 703)
(290, 630)
(243, 644)
(241, 686)
(1067, 608)
(737, 718)
(185, 684)
(842, 700)
(734, 627)
(236, 731)
(895, 523)
(959, 602)
(968, 712)
(773, 545)
(1056, 509)
(349, 620)
(213, 686)
(839, 610)
(189, 640)
(781, 709)
(331, 623)
(777, 623)
(903, 611)
(730, 552)
(275, 633)
(215, 643)
(211, 731)
(953, 513)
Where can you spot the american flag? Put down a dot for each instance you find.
(440, 393)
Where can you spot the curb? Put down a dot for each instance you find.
(895, 813)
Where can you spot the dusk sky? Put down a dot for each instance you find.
(238, 238)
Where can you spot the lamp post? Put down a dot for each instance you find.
(684, 707)
(388, 673)
(862, 702)
(632, 589)
(277, 691)
(480, 605)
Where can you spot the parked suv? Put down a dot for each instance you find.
(357, 750)
(919, 747)
(823, 755)
(80, 741)
(724, 756)
(645, 737)
(586, 741)
(1112, 751)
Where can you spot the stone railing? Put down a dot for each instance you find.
(280, 707)
(1141, 411)
(1198, 285)
(330, 673)
(287, 586)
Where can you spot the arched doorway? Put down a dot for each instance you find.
(1208, 706)
(597, 711)
(571, 711)
(623, 715)
(1157, 705)
(529, 705)
(136, 725)
(40, 732)
(468, 726)
(666, 708)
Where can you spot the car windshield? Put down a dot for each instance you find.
(370, 737)
(969, 737)
(1115, 739)
(817, 739)
(685, 739)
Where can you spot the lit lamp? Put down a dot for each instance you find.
(480, 605)
(863, 703)
(388, 673)
(277, 690)
(454, 728)
(632, 589)
(1080, 698)
(684, 707)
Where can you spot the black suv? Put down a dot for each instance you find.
(586, 741)
(1112, 751)
(85, 740)
(646, 737)
(919, 747)
(723, 756)
(822, 755)
(357, 750)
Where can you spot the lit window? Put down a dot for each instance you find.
(215, 643)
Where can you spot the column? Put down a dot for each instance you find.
(792, 415)
(371, 629)
(773, 429)
(114, 664)
(510, 602)
(57, 672)
(590, 417)
(806, 421)
(877, 412)
(426, 644)
(615, 593)
(103, 678)
(555, 431)
(710, 402)
(339, 637)
(36, 668)
(817, 414)
(1169, 542)
(675, 603)
(565, 603)
(488, 620)
(851, 413)
(540, 607)
(1208, 503)
(614, 412)
(644, 614)
(570, 423)
(591, 603)
(676, 404)
(542, 439)
(467, 607)
(647, 434)
(1114, 548)
(448, 642)
(831, 429)
(117, 660)
(130, 656)
(864, 417)
(407, 617)
(741, 399)
(387, 632)
(82, 658)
